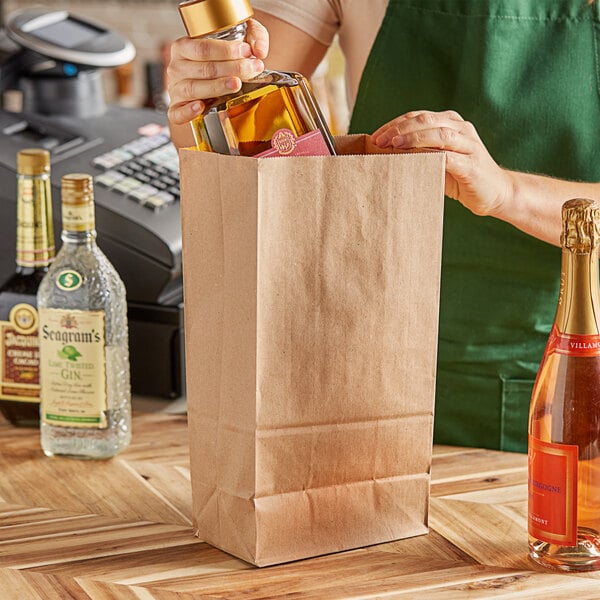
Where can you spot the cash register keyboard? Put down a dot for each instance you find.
(145, 170)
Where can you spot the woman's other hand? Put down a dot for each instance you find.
(472, 176)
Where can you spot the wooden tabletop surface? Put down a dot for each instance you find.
(122, 529)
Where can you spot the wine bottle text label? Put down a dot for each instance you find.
(573, 345)
(552, 515)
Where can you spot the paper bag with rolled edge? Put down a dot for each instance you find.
(311, 289)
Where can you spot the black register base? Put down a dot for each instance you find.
(138, 229)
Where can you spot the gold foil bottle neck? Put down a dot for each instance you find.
(203, 17)
(581, 225)
(33, 161)
(77, 188)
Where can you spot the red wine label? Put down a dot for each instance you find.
(552, 515)
(573, 345)
(19, 355)
(285, 143)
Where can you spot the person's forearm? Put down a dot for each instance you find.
(534, 206)
(531, 203)
(290, 48)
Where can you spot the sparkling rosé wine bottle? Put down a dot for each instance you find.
(564, 419)
(84, 353)
(19, 349)
(274, 114)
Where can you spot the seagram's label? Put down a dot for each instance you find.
(19, 355)
(73, 368)
(285, 143)
(78, 217)
(69, 280)
(552, 514)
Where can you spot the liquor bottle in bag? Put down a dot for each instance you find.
(84, 354)
(19, 350)
(564, 419)
(274, 114)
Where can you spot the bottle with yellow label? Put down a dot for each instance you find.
(19, 356)
(84, 354)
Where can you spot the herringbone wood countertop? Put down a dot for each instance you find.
(122, 529)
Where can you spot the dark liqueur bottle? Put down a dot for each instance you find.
(19, 346)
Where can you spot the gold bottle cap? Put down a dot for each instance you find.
(33, 161)
(77, 194)
(77, 188)
(203, 17)
(581, 225)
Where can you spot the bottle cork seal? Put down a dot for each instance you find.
(203, 17)
(581, 224)
(33, 161)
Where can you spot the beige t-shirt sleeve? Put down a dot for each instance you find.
(319, 18)
(355, 22)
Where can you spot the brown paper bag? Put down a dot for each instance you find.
(311, 289)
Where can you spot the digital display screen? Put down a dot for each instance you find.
(68, 33)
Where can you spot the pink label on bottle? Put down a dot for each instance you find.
(552, 513)
(285, 143)
(573, 345)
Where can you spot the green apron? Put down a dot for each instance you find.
(526, 73)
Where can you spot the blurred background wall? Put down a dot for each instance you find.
(150, 25)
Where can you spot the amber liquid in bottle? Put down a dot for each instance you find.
(564, 420)
(19, 348)
(246, 124)
(274, 114)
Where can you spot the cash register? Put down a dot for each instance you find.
(52, 61)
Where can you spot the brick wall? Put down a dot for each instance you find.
(146, 23)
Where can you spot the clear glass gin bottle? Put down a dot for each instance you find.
(274, 114)
(84, 354)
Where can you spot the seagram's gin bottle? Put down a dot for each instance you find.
(274, 114)
(84, 355)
